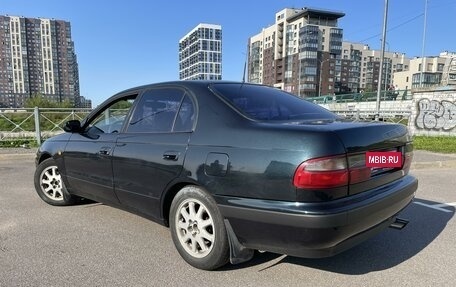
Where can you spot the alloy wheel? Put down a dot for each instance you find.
(195, 228)
(51, 183)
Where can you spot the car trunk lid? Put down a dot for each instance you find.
(361, 138)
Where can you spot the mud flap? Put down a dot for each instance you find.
(238, 253)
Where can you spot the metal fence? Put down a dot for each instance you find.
(387, 95)
(35, 124)
(393, 116)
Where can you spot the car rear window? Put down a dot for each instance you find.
(269, 104)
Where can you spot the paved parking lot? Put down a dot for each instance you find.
(96, 245)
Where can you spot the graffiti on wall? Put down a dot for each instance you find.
(436, 115)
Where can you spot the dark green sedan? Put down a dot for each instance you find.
(232, 168)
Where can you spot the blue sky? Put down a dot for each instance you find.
(121, 44)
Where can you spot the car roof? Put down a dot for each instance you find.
(183, 83)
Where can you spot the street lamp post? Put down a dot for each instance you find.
(321, 72)
(299, 74)
(424, 43)
(387, 65)
(379, 83)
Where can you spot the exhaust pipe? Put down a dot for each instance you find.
(399, 223)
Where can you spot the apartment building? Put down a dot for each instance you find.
(299, 53)
(438, 71)
(361, 67)
(82, 102)
(449, 69)
(200, 53)
(37, 57)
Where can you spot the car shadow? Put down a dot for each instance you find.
(85, 201)
(386, 250)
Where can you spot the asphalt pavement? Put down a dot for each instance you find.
(97, 245)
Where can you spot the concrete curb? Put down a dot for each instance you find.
(434, 164)
(17, 156)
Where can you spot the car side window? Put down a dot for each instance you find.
(156, 111)
(265, 104)
(186, 116)
(112, 118)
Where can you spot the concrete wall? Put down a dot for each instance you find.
(430, 113)
(388, 106)
(434, 113)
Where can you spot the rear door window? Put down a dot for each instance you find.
(186, 117)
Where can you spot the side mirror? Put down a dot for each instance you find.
(73, 126)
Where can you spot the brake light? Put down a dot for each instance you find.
(322, 173)
(331, 172)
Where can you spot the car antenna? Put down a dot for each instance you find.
(243, 75)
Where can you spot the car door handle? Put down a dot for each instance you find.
(104, 150)
(171, 155)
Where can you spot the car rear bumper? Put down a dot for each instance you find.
(316, 229)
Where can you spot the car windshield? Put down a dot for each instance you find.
(264, 103)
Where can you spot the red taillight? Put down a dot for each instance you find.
(331, 172)
(322, 173)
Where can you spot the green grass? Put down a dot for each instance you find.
(12, 143)
(435, 144)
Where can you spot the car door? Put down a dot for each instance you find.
(88, 155)
(150, 154)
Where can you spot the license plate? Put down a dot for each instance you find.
(384, 159)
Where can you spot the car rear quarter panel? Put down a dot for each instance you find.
(262, 158)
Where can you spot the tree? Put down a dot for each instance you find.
(41, 101)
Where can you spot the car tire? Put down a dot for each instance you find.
(198, 230)
(49, 184)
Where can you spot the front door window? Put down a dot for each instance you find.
(111, 120)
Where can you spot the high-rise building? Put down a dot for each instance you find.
(361, 67)
(37, 57)
(300, 53)
(200, 53)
